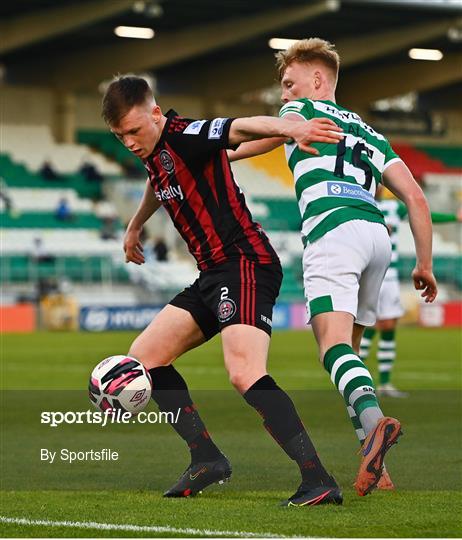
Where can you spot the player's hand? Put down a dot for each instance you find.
(322, 130)
(425, 281)
(133, 247)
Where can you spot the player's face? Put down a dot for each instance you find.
(298, 81)
(140, 129)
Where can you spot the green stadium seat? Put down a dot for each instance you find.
(18, 268)
(446, 269)
(38, 220)
(283, 214)
(109, 145)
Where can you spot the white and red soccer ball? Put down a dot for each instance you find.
(120, 382)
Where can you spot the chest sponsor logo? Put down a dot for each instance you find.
(166, 161)
(216, 128)
(172, 192)
(194, 127)
(351, 191)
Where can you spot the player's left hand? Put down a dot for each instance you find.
(425, 281)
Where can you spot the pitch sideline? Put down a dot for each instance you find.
(136, 528)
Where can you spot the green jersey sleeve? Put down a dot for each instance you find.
(390, 156)
(302, 107)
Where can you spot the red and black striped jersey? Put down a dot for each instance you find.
(190, 174)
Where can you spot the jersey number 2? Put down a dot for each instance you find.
(357, 151)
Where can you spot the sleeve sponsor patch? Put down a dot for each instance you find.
(194, 127)
(216, 128)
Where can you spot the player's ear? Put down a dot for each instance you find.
(317, 79)
(156, 113)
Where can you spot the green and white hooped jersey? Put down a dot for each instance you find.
(394, 212)
(338, 185)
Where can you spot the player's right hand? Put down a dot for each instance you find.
(317, 130)
(425, 281)
(133, 247)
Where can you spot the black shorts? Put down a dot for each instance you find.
(235, 292)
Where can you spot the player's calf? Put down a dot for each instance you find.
(282, 422)
(208, 464)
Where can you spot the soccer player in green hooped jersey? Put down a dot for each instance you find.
(347, 247)
(389, 309)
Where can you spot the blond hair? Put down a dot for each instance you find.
(309, 50)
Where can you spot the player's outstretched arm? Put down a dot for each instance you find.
(304, 133)
(398, 179)
(132, 244)
(255, 148)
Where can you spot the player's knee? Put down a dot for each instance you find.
(237, 378)
(147, 356)
(241, 378)
(387, 324)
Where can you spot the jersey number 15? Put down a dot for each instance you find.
(356, 159)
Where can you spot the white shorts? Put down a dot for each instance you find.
(389, 306)
(344, 269)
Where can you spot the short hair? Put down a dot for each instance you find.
(124, 93)
(307, 50)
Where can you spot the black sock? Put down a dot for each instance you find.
(301, 449)
(283, 423)
(170, 392)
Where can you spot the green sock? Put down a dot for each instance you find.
(351, 377)
(386, 355)
(366, 343)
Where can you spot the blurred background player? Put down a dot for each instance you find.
(389, 308)
(347, 248)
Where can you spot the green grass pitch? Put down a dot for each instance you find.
(47, 371)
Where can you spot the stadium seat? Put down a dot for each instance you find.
(32, 145)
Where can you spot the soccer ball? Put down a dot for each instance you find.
(120, 382)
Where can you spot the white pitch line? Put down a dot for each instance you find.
(136, 528)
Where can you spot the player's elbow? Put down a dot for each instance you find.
(416, 199)
(239, 132)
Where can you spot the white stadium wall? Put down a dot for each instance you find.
(26, 105)
(36, 106)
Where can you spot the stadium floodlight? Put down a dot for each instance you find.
(281, 43)
(135, 32)
(425, 54)
(139, 6)
(455, 34)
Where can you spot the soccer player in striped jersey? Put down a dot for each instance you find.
(389, 308)
(240, 275)
(347, 247)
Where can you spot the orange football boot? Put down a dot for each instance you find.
(376, 445)
(385, 483)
